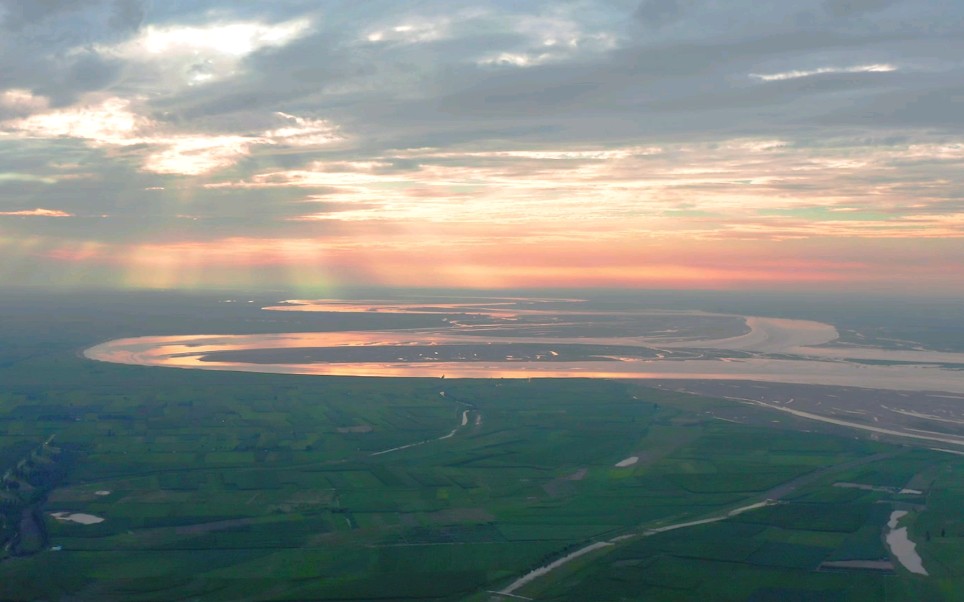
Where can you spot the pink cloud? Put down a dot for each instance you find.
(39, 212)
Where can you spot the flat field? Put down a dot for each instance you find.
(233, 486)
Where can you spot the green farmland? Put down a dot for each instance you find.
(225, 486)
(198, 485)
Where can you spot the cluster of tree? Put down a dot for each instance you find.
(23, 491)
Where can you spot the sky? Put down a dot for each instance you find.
(317, 145)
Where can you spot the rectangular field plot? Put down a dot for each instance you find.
(210, 484)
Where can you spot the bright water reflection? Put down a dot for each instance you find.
(801, 360)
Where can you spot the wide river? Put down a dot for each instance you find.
(771, 350)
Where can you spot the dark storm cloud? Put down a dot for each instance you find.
(847, 8)
(85, 72)
(31, 16)
(333, 72)
(127, 14)
(18, 14)
(656, 13)
(46, 45)
(938, 107)
(638, 91)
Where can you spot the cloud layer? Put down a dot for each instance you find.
(620, 143)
